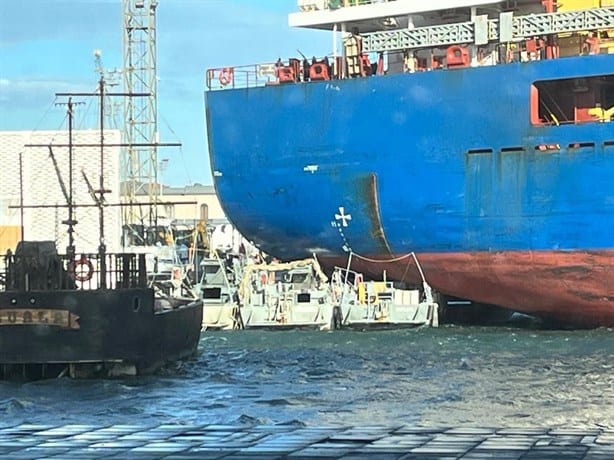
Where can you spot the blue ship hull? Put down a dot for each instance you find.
(446, 164)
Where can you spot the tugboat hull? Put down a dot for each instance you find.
(95, 331)
(52, 324)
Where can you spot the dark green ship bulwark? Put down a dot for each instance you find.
(52, 325)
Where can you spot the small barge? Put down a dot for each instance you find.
(220, 308)
(291, 295)
(379, 304)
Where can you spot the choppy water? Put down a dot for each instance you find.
(449, 376)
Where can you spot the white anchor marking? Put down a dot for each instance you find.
(311, 168)
(343, 217)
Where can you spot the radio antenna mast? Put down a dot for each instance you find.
(140, 160)
(112, 78)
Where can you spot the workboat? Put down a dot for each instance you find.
(157, 242)
(379, 304)
(286, 295)
(219, 294)
(476, 134)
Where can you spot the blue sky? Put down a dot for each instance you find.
(46, 46)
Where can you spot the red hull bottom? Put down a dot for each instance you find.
(575, 288)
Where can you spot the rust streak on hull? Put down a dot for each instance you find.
(377, 231)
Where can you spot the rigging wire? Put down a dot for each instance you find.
(379, 261)
(427, 290)
(183, 162)
(11, 213)
(37, 177)
(395, 259)
(84, 114)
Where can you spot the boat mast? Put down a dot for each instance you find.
(70, 250)
(68, 194)
(101, 192)
(21, 208)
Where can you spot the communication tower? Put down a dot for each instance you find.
(140, 164)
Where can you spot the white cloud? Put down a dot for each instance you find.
(30, 93)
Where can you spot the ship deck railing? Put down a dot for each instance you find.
(20, 273)
(315, 5)
(247, 76)
(266, 74)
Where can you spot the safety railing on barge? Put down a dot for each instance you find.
(59, 271)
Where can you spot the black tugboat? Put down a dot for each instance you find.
(52, 325)
(91, 315)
